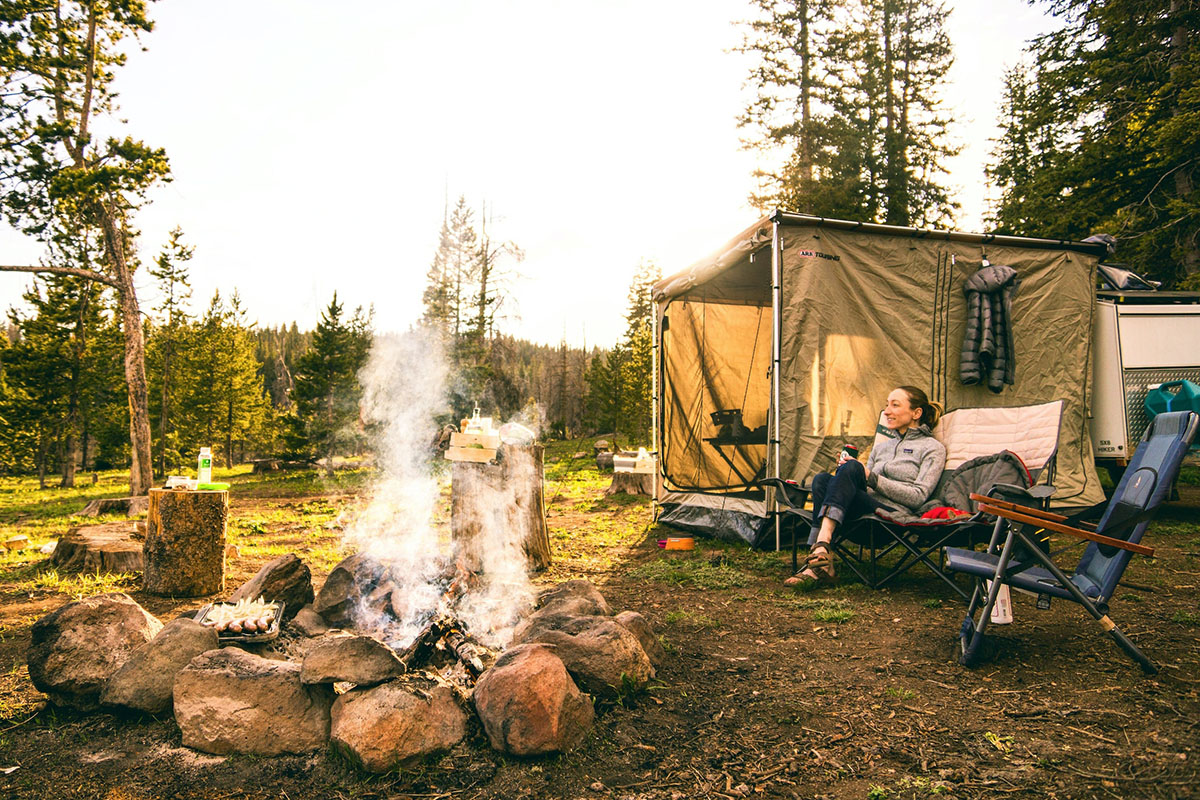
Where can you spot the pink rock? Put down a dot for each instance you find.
(76, 649)
(636, 624)
(529, 705)
(391, 724)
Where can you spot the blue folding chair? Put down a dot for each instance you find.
(1023, 565)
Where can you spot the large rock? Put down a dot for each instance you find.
(76, 649)
(145, 682)
(636, 624)
(286, 580)
(355, 659)
(604, 658)
(388, 725)
(529, 705)
(229, 701)
(578, 598)
(348, 583)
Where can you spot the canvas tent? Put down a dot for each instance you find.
(795, 331)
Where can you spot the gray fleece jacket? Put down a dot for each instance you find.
(906, 469)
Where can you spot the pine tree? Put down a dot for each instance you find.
(848, 98)
(1110, 114)
(170, 270)
(327, 391)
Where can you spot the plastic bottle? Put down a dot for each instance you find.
(205, 468)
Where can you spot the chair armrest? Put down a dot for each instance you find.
(1011, 491)
(1030, 516)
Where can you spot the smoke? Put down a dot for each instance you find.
(405, 383)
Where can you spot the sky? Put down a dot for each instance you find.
(313, 152)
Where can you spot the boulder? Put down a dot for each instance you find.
(309, 622)
(603, 657)
(529, 705)
(286, 580)
(344, 589)
(356, 659)
(76, 649)
(636, 624)
(230, 701)
(395, 723)
(145, 681)
(578, 598)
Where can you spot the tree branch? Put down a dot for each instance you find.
(78, 273)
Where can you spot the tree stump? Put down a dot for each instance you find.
(185, 542)
(129, 506)
(99, 548)
(494, 505)
(631, 483)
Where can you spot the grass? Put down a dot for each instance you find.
(899, 694)
(1188, 618)
(691, 619)
(694, 570)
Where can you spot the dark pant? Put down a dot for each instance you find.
(840, 496)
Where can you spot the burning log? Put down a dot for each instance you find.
(445, 635)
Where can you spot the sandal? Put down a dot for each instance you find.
(817, 568)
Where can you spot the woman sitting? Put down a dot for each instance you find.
(902, 471)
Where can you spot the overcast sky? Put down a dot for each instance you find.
(312, 145)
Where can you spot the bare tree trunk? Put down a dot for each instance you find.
(141, 470)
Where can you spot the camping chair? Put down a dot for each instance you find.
(1144, 487)
(1028, 435)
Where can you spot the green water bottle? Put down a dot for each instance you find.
(205, 469)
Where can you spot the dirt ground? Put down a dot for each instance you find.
(841, 693)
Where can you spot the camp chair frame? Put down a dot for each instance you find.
(991, 570)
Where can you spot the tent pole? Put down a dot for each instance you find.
(655, 351)
(776, 333)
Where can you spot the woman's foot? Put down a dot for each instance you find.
(818, 568)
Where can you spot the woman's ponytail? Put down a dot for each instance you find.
(930, 411)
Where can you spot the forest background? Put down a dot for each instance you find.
(1100, 133)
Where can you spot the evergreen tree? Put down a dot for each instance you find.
(327, 391)
(170, 270)
(1104, 133)
(848, 99)
(57, 65)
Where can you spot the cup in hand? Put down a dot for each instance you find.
(849, 453)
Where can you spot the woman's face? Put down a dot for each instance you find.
(899, 415)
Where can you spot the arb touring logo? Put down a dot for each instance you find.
(806, 253)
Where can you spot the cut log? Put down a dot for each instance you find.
(505, 498)
(129, 506)
(99, 548)
(185, 542)
(631, 483)
(604, 461)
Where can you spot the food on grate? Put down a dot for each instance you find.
(243, 617)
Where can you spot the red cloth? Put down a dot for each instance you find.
(945, 512)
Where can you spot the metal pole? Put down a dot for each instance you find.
(776, 333)
(655, 349)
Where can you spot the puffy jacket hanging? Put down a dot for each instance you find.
(987, 351)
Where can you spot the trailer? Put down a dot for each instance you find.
(1143, 340)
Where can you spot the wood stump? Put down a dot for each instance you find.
(500, 500)
(185, 542)
(129, 506)
(114, 547)
(631, 483)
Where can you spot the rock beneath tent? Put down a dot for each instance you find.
(345, 588)
(529, 705)
(75, 650)
(308, 622)
(395, 723)
(286, 580)
(146, 680)
(636, 624)
(230, 701)
(359, 660)
(578, 598)
(604, 658)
